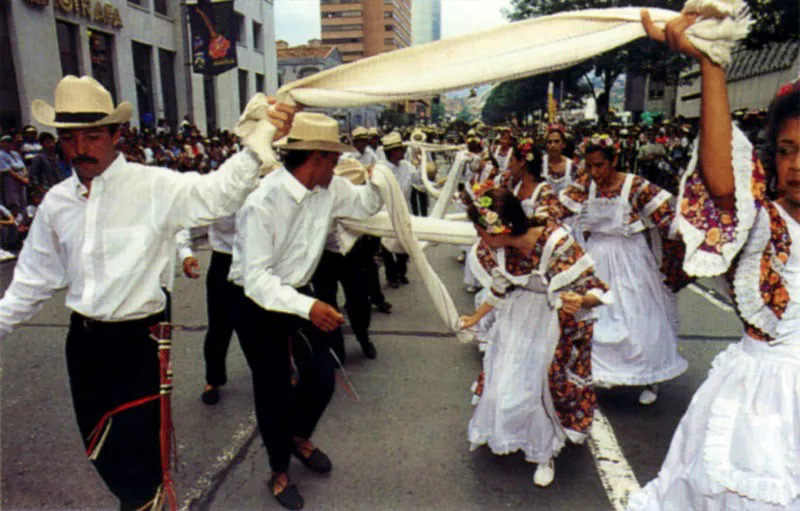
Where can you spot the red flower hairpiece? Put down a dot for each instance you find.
(789, 88)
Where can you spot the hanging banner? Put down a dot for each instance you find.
(214, 29)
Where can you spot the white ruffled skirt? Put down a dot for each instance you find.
(515, 411)
(635, 338)
(484, 326)
(737, 447)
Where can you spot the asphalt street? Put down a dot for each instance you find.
(402, 447)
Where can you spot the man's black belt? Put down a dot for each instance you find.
(90, 324)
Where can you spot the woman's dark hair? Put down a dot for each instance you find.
(608, 151)
(533, 167)
(507, 207)
(474, 146)
(782, 108)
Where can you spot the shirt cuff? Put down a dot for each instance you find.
(185, 252)
(302, 305)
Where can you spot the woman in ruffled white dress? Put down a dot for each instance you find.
(537, 388)
(537, 199)
(557, 169)
(738, 445)
(636, 339)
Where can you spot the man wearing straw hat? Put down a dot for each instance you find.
(395, 150)
(363, 153)
(348, 259)
(280, 236)
(106, 235)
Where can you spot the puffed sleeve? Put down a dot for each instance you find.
(574, 195)
(714, 236)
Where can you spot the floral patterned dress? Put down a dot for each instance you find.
(636, 339)
(542, 202)
(738, 445)
(536, 390)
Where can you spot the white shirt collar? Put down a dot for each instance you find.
(296, 189)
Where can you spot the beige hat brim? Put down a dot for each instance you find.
(46, 114)
(394, 146)
(314, 145)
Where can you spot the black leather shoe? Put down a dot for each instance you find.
(394, 284)
(384, 307)
(289, 497)
(318, 461)
(369, 350)
(210, 396)
(403, 280)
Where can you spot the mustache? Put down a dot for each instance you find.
(82, 158)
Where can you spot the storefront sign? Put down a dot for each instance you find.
(98, 12)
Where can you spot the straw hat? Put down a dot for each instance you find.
(80, 103)
(313, 132)
(392, 141)
(352, 169)
(418, 136)
(373, 132)
(360, 132)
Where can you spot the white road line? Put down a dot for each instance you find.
(615, 473)
(710, 297)
(208, 482)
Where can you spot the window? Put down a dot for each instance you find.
(341, 28)
(259, 82)
(323, 2)
(243, 95)
(140, 3)
(101, 51)
(166, 61)
(343, 40)
(307, 71)
(258, 36)
(389, 15)
(67, 34)
(144, 84)
(161, 7)
(241, 32)
(390, 41)
(352, 53)
(210, 99)
(342, 14)
(10, 111)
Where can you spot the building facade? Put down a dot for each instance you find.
(135, 48)
(363, 28)
(754, 78)
(426, 18)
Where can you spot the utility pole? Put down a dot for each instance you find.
(187, 59)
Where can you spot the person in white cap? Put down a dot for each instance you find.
(106, 235)
(280, 236)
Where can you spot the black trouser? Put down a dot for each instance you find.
(220, 322)
(370, 246)
(419, 202)
(270, 341)
(351, 271)
(110, 364)
(396, 264)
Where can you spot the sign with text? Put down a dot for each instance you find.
(214, 30)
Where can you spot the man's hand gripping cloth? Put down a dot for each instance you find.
(517, 50)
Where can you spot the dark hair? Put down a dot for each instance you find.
(781, 109)
(608, 151)
(45, 136)
(534, 166)
(508, 208)
(560, 133)
(294, 159)
(474, 146)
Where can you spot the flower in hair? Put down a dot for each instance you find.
(789, 88)
(488, 219)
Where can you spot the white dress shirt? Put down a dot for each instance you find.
(406, 175)
(109, 248)
(367, 158)
(221, 233)
(281, 232)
